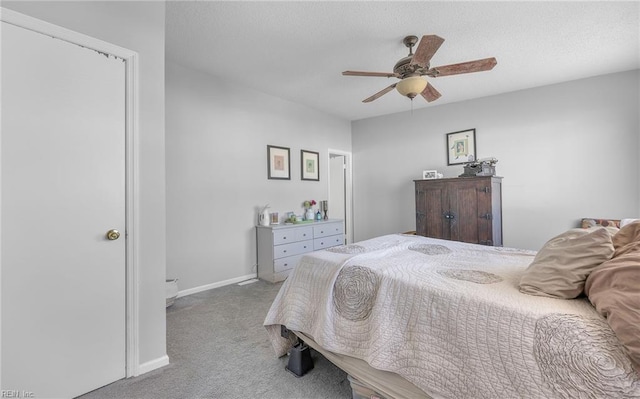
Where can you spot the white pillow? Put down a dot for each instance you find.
(624, 222)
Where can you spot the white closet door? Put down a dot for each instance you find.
(62, 188)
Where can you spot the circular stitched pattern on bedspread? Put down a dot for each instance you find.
(475, 276)
(348, 249)
(568, 351)
(354, 292)
(430, 249)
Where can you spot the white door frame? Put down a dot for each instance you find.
(348, 190)
(131, 166)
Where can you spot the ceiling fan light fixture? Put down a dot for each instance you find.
(411, 69)
(411, 86)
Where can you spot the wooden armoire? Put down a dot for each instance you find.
(467, 209)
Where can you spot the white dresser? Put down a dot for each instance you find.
(280, 247)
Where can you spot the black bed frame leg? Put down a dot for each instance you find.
(300, 361)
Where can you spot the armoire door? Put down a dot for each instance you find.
(432, 203)
(62, 201)
(465, 205)
(472, 203)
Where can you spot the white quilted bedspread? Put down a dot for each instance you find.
(448, 317)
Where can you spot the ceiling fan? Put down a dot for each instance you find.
(411, 68)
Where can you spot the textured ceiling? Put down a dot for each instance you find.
(297, 50)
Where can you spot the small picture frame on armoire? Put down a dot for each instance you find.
(429, 174)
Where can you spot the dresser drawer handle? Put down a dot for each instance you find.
(285, 251)
(284, 238)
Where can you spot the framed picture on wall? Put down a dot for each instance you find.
(461, 147)
(309, 163)
(278, 166)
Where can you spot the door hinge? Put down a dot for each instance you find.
(487, 216)
(485, 190)
(486, 242)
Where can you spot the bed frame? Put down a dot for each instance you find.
(382, 384)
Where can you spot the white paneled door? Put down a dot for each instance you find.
(62, 190)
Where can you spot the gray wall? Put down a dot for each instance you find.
(216, 159)
(566, 151)
(137, 26)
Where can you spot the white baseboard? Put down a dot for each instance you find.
(195, 290)
(152, 365)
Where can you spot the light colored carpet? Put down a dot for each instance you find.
(218, 348)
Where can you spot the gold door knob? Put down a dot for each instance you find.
(113, 234)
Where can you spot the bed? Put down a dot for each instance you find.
(410, 316)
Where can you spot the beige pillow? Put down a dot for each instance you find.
(614, 289)
(627, 239)
(562, 265)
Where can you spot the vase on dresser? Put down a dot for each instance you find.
(309, 215)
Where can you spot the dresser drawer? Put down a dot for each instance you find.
(295, 248)
(292, 235)
(328, 229)
(304, 233)
(284, 236)
(282, 264)
(327, 242)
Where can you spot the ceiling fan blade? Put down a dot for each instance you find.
(427, 47)
(485, 64)
(430, 93)
(380, 93)
(377, 74)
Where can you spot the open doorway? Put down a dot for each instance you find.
(340, 190)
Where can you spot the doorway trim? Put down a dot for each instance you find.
(348, 190)
(132, 189)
